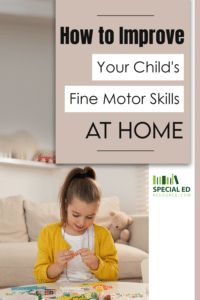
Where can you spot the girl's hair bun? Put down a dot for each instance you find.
(86, 172)
(89, 172)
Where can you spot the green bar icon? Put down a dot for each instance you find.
(163, 180)
(176, 179)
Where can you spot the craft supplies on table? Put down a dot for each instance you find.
(96, 285)
(98, 296)
(89, 291)
(38, 292)
(80, 290)
(28, 289)
(20, 297)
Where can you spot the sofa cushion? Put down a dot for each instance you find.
(106, 206)
(130, 259)
(38, 215)
(16, 263)
(12, 221)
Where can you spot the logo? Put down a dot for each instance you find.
(163, 180)
(164, 186)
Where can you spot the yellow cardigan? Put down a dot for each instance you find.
(51, 241)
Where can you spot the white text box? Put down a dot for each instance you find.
(124, 99)
(138, 67)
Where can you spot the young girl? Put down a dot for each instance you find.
(77, 249)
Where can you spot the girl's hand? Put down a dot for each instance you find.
(88, 258)
(63, 257)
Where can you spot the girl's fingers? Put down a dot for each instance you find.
(69, 252)
(65, 259)
(64, 263)
(70, 259)
(69, 256)
(64, 253)
(83, 250)
(66, 256)
(85, 255)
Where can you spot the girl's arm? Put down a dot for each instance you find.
(54, 270)
(44, 261)
(46, 269)
(107, 255)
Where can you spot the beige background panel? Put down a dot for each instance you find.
(74, 67)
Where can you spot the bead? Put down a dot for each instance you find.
(107, 297)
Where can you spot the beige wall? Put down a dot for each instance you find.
(27, 77)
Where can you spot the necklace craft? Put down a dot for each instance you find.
(65, 271)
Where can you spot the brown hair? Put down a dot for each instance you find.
(79, 183)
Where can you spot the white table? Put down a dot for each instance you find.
(118, 287)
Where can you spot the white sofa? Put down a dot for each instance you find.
(21, 221)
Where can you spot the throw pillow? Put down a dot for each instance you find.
(12, 221)
(106, 206)
(38, 215)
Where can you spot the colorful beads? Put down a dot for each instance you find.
(94, 295)
(99, 289)
(137, 295)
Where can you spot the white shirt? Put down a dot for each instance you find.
(76, 269)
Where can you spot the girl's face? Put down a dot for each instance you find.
(80, 216)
